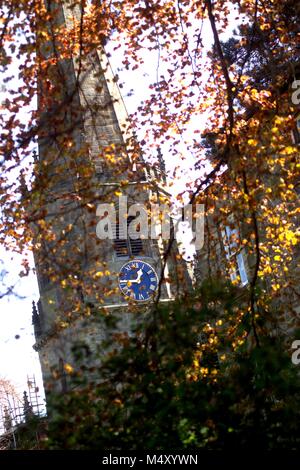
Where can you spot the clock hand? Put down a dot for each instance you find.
(131, 281)
(137, 280)
(139, 273)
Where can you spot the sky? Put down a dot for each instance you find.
(18, 360)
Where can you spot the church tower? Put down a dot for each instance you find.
(83, 169)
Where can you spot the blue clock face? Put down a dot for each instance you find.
(138, 280)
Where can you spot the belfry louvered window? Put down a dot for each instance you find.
(126, 247)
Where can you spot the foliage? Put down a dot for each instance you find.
(242, 88)
(157, 392)
(29, 434)
(160, 389)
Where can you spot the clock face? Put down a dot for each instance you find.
(138, 280)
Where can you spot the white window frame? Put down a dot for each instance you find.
(235, 253)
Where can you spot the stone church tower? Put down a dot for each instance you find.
(83, 161)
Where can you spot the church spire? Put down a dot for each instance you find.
(84, 163)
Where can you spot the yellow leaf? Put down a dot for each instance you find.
(291, 237)
(287, 150)
(252, 142)
(68, 368)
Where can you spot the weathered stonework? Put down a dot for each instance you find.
(90, 111)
